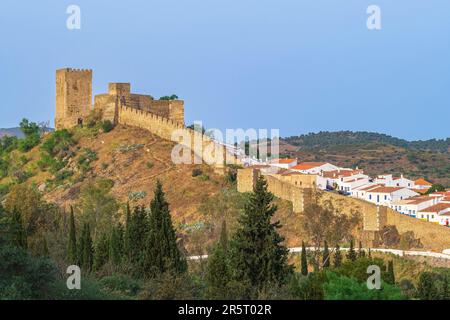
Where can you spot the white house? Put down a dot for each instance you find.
(438, 213)
(390, 181)
(385, 195)
(345, 180)
(413, 205)
(314, 167)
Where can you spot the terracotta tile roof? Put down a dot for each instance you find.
(340, 173)
(418, 199)
(308, 165)
(386, 189)
(419, 190)
(283, 161)
(422, 182)
(374, 186)
(437, 207)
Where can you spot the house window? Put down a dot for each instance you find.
(432, 216)
(370, 197)
(385, 197)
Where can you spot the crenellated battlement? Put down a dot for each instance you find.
(74, 70)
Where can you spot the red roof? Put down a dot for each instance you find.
(308, 165)
(283, 161)
(437, 207)
(386, 189)
(422, 182)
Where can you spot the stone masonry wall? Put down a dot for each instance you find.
(164, 128)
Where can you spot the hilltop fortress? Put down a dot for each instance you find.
(120, 106)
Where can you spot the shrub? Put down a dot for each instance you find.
(107, 126)
(197, 172)
(150, 165)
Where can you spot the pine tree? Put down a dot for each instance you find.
(218, 269)
(72, 252)
(390, 276)
(86, 250)
(161, 249)
(116, 245)
(303, 260)
(17, 231)
(351, 254)
(257, 255)
(127, 233)
(361, 252)
(101, 255)
(326, 256)
(337, 257)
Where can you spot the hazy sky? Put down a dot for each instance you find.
(300, 66)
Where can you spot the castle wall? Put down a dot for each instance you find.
(165, 128)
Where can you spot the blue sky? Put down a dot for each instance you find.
(300, 66)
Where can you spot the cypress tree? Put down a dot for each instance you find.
(161, 249)
(326, 256)
(101, 252)
(370, 254)
(257, 255)
(17, 231)
(390, 276)
(127, 233)
(351, 254)
(86, 250)
(137, 233)
(218, 269)
(303, 260)
(361, 252)
(116, 245)
(337, 257)
(72, 253)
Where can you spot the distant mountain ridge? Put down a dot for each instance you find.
(15, 132)
(326, 139)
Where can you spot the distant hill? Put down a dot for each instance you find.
(326, 139)
(16, 132)
(375, 153)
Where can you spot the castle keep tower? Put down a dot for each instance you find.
(73, 97)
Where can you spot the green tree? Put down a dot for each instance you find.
(304, 260)
(361, 252)
(390, 276)
(101, 252)
(17, 231)
(116, 245)
(72, 252)
(326, 256)
(136, 234)
(86, 250)
(218, 269)
(351, 254)
(161, 249)
(32, 135)
(436, 188)
(337, 257)
(258, 257)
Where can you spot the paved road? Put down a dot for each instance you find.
(400, 253)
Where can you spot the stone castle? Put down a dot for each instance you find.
(74, 101)
(120, 106)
